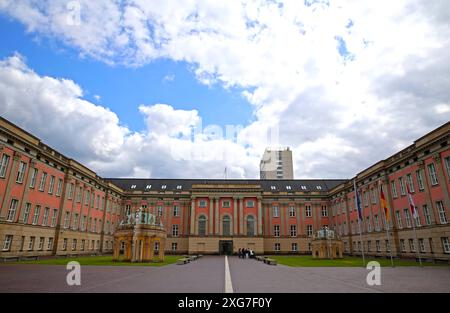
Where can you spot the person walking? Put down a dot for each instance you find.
(240, 253)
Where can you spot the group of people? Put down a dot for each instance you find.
(246, 253)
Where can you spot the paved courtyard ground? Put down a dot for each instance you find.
(207, 275)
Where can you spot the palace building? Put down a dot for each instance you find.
(51, 204)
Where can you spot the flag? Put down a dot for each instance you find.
(411, 202)
(383, 204)
(358, 202)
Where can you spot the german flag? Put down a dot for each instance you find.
(384, 205)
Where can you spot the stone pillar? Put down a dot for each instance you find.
(216, 217)
(260, 214)
(211, 216)
(241, 215)
(235, 217)
(191, 230)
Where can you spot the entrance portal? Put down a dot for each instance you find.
(226, 247)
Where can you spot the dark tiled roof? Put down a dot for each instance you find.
(150, 184)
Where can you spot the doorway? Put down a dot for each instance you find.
(226, 247)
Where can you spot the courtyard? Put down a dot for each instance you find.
(209, 275)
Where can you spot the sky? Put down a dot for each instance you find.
(184, 88)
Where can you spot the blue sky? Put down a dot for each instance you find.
(319, 76)
(123, 89)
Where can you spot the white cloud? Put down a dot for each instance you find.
(389, 87)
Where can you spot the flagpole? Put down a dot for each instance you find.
(359, 222)
(418, 246)
(389, 240)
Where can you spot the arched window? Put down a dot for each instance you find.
(226, 226)
(202, 225)
(250, 225)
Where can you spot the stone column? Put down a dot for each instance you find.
(216, 217)
(241, 215)
(191, 230)
(211, 216)
(235, 217)
(260, 213)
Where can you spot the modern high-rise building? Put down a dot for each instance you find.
(276, 164)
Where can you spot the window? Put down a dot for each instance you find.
(430, 242)
(176, 210)
(66, 220)
(421, 245)
(50, 243)
(41, 243)
(202, 204)
(59, 187)
(226, 229)
(293, 230)
(369, 246)
(441, 210)
(26, 213)
(43, 181)
(288, 187)
(250, 225)
(45, 217)
(402, 186)
(160, 210)
(79, 191)
(31, 244)
(276, 230)
(179, 187)
(388, 246)
(447, 166)
(432, 172)
(75, 222)
(417, 218)
(426, 214)
(309, 230)
(319, 187)
(308, 211)
(410, 182)
(127, 210)
(292, 211)
(12, 210)
(54, 216)
(445, 244)
(273, 187)
(156, 247)
(21, 172)
(407, 218)
(420, 180)
(277, 247)
(412, 245)
(373, 195)
(402, 245)
(148, 187)
(366, 198)
(34, 173)
(37, 211)
(368, 225)
(399, 219)
(174, 246)
(250, 204)
(64, 246)
(202, 225)
(394, 189)
(82, 245)
(7, 243)
(4, 165)
(87, 197)
(294, 247)
(164, 187)
(70, 191)
(324, 211)
(74, 244)
(52, 184)
(225, 204)
(378, 246)
(377, 224)
(133, 186)
(303, 187)
(276, 211)
(175, 230)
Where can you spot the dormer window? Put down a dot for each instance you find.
(148, 187)
(179, 187)
(163, 186)
(303, 187)
(273, 187)
(319, 187)
(133, 186)
(288, 187)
